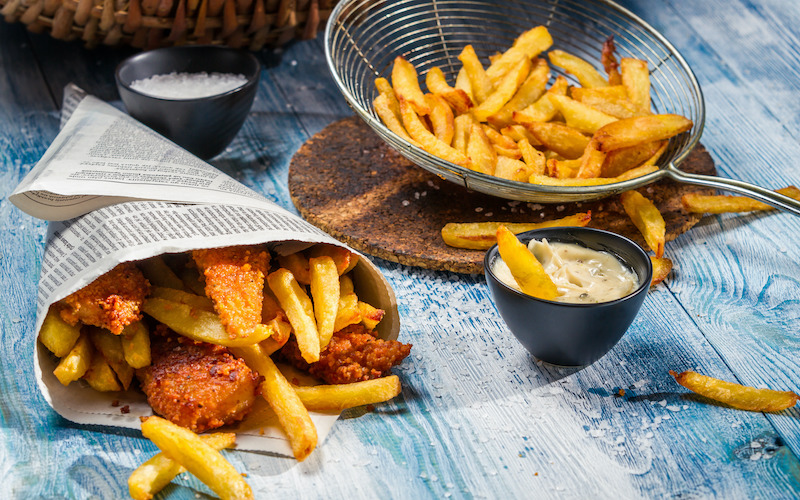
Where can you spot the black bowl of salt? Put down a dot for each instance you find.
(196, 96)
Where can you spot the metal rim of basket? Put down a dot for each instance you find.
(362, 38)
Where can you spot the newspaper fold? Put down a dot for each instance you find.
(118, 192)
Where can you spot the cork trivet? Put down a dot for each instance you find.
(348, 182)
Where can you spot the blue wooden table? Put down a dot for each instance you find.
(478, 417)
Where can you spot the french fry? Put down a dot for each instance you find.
(299, 309)
(734, 395)
(283, 400)
(531, 91)
(297, 264)
(382, 105)
(437, 84)
(721, 204)
(346, 286)
(342, 396)
(463, 84)
(526, 270)
(528, 45)
(480, 150)
(543, 109)
(75, 364)
(634, 131)
(135, 341)
(159, 274)
(58, 335)
(532, 156)
(406, 85)
(199, 325)
(620, 161)
(564, 140)
(511, 153)
(647, 219)
(479, 81)
(109, 346)
(348, 312)
(325, 294)
(462, 124)
(100, 376)
(505, 89)
(580, 116)
(609, 61)
(370, 315)
(197, 301)
(498, 138)
(636, 80)
(344, 259)
(441, 117)
(190, 277)
(591, 162)
(517, 132)
(586, 74)
(196, 456)
(482, 235)
(427, 140)
(661, 268)
(511, 169)
(157, 472)
(630, 174)
(283, 329)
(612, 100)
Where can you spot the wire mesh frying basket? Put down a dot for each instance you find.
(363, 37)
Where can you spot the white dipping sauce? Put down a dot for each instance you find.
(581, 275)
(188, 85)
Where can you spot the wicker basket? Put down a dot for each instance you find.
(148, 24)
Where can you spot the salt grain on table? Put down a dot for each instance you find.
(188, 85)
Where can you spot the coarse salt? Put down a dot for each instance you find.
(188, 85)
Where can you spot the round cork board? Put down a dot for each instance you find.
(349, 183)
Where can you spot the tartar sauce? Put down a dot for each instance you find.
(581, 275)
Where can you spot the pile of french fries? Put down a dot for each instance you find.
(310, 295)
(504, 120)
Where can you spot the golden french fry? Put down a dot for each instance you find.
(564, 140)
(526, 270)
(517, 132)
(283, 400)
(75, 364)
(441, 117)
(297, 264)
(384, 87)
(737, 396)
(612, 100)
(479, 81)
(532, 156)
(196, 456)
(157, 472)
(462, 124)
(437, 84)
(543, 109)
(136, 344)
(720, 204)
(531, 91)
(342, 396)
(190, 277)
(527, 46)
(109, 346)
(654, 159)
(100, 376)
(370, 315)
(346, 286)
(58, 335)
(427, 140)
(505, 89)
(580, 116)
(661, 268)
(512, 169)
(630, 174)
(563, 169)
(325, 294)
(480, 151)
(646, 218)
(463, 84)
(620, 161)
(634, 131)
(199, 325)
(609, 61)
(636, 80)
(344, 259)
(511, 153)
(300, 311)
(497, 138)
(197, 301)
(348, 312)
(482, 235)
(383, 109)
(159, 274)
(406, 85)
(591, 162)
(586, 74)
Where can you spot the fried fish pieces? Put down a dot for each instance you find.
(112, 301)
(234, 278)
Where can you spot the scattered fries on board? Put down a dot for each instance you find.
(199, 332)
(503, 120)
(734, 395)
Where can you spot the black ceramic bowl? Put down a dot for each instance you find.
(564, 333)
(205, 125)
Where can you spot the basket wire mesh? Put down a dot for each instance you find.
(364, 36)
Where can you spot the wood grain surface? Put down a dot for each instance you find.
(349, 183)
(478, 417)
